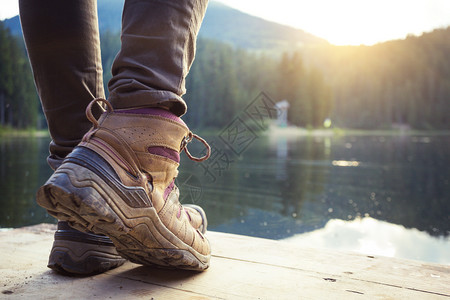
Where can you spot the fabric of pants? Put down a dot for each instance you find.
(63, 44)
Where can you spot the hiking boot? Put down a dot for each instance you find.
(119, 181)
(80, 253)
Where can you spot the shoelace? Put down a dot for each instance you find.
(188, 139)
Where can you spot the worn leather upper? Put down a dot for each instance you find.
(123, 140)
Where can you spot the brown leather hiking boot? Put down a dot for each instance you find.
(111, 184)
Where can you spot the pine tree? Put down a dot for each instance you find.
(6, 74)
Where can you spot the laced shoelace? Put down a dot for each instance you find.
(188, 139)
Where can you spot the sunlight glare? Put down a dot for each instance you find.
(345, 163)
(9, 9)
(353, 22)
(374, 237)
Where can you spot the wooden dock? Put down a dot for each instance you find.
(241, 268)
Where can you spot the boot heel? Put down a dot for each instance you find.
(72, 194)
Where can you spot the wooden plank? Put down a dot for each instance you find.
(241, 268)
(414, 275)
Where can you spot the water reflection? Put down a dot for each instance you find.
(23, 169)
(289, 185)
(284, 185)
(373, 237)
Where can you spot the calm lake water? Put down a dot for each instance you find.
(382, 195)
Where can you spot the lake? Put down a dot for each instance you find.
(376, 194)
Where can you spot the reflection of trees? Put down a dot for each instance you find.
(272, 178)
(306, 181)
(21, 173)
(402, 180)
(421, 186)
(248, 183)
(284, 185)
(397, 180)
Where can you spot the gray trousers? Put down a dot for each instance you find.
(63, 44)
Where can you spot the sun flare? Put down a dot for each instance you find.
(353, 22)
(344, 22)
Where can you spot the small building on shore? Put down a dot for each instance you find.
(282, 112)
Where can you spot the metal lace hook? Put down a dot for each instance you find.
(188, 139)
(99, 101)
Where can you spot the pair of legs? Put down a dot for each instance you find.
(158, 47)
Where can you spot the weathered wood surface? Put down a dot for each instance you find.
(241, 268)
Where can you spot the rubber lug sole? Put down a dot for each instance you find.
(76, 194)
(76, 258)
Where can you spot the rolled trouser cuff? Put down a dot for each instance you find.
(127, 97)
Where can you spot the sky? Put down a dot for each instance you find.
(341, 22)
(374, 237)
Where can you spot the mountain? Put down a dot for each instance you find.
(221, 23)
(245, 31)
(13, 24)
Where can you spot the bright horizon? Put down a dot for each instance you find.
(353, 22)
(345, 22)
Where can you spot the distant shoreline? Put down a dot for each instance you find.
(298, 131)
(13, 132)
(271, 131)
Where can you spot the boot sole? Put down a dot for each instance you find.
(69, 257)
(86, 193)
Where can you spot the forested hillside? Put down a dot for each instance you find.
(403, 82)
(398, 83)
(18, 101)
(223, 80)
